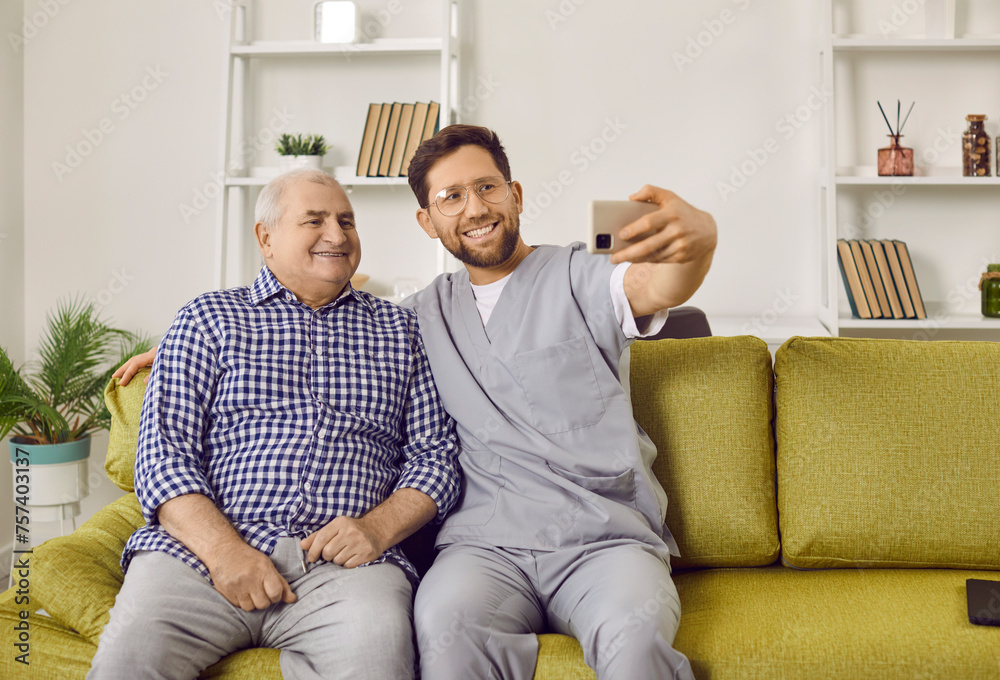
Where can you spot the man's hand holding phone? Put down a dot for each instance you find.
(660, 227)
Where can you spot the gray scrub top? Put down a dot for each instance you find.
(551, 454)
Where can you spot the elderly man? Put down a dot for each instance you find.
(560, 525)
(291, 436)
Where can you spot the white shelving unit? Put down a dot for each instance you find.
(946, 180)
(242, 52)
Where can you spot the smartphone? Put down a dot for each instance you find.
(984, 601)
(608, 217)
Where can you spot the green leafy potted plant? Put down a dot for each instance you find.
(301, 152)
(53, 405)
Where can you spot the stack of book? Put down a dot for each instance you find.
(879, 279)
(391, 137)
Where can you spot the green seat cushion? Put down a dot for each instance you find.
(707, 405)
(76, 578)
(125, 405)
(776, 623)
(561, 658)
(257, 663)
(56, 653)
(888, 453)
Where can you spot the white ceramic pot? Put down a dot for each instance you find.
(297, 162)
(56, 477)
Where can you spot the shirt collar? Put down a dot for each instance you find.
(267, 286)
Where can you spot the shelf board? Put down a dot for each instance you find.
(299, 48)
(937, 177)
(938, 317)
(875, 44)
(259, 176)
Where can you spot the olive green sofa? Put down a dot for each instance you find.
(829, 509)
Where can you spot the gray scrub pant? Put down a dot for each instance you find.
(170, 622)
(479, 608)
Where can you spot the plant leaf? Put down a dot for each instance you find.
(77, 355)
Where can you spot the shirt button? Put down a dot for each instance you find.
(319, 351)
(307, 486)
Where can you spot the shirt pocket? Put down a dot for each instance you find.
(560, 386)
(618, 488)
(375, 387)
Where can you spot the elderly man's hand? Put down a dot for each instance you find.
(248, 578)
(677, 232)
(128, 370)
(347, 541)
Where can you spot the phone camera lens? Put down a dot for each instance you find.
(603, 241)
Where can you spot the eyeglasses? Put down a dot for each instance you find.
(451, 201)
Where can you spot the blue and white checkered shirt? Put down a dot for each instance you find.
(287, 417)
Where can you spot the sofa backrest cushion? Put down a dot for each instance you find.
(76, 578)
(125, 404)
(707, 405)
(705, 402)
(888, 453)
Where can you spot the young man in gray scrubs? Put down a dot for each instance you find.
(560, 523)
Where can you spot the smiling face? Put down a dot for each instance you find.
(314, 248)
(484, 236)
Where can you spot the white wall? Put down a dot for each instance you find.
(568, 68)
(102, 207)
(11, 228)
(105, 226)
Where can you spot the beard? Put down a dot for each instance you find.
(502, 251)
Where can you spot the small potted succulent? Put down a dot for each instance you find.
(54, 404)
(300, 151)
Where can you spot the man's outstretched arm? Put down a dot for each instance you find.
(671, 263)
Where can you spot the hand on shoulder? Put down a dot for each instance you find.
(127, 371)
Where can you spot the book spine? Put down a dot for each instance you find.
(852, 283)
(911, 279)
(885, 274)
(883, 301)
(866, 280)
(899, 279)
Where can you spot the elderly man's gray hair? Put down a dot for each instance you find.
(268, 209)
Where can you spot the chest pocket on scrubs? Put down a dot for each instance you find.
(560, 386)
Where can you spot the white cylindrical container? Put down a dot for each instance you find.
(940, 18)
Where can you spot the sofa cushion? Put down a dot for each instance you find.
(888, 453)
(76, 578)
(707, 405)
(125, 405)
(55, 652)
(560, 657)
(776, 623)
(257, 663)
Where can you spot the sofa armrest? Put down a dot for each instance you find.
(76, 578)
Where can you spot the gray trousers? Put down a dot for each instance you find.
(479, 608)
(169, 622)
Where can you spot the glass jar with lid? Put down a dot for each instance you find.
(990, 285)
(976, 148)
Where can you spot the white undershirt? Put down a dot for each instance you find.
(487, 296)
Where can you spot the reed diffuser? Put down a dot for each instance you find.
(895, 160)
